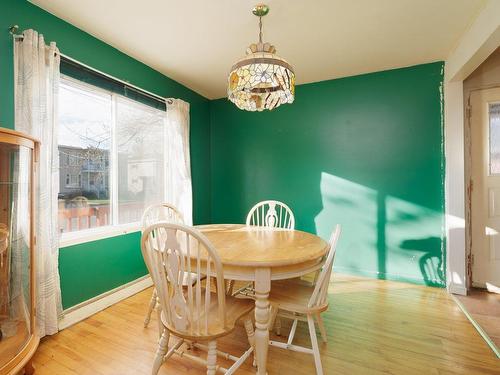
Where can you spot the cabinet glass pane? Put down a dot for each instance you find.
(494, 120)
(15, 293)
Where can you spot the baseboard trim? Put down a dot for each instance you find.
(88, 308)
(389, 276)
(478, 328)
(457, 289)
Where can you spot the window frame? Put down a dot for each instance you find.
(114, 228)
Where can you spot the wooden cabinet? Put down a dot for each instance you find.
(18, 333)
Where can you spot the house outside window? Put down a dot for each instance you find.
(111, 157)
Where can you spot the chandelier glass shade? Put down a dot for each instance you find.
(261, 80)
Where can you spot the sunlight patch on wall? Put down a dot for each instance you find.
(383, 236)
(354, 206)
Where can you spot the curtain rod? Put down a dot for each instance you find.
(14, 29)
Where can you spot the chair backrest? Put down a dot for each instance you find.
(319, 295)
(173, 252)
(271, 213)
(160, 212)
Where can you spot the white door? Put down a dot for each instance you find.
(485, 195)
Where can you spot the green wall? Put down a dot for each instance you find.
(93, 268)
(364, 151)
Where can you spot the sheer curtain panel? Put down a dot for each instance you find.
(178, 173)
(36, 71)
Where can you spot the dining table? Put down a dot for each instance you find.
(260, 255)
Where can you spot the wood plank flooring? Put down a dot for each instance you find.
(484, 307)
(374, 327)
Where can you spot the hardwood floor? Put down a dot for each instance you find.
(484, 307)
(373, 326)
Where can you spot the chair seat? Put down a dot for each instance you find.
(293, 295)
(236, 308)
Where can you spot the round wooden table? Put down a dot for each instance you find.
(261, 254)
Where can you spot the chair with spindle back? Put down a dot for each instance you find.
(161, 212)
(303, 301)
(194, 313)
(271, 213)
(154, 214)
(268, 213)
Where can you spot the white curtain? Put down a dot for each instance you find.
(178, 173)
(36, 98)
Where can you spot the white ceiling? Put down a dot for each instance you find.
(196, 42)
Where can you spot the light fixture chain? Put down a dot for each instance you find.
(260, 29)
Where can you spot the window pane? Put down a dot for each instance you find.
(140, 143)
(494, 118)
(85, 117)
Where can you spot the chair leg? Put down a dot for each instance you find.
(230, 288)
(251, 335)
(213, 281)
(278, 326)
(321, 326)
(275, 321)
(272, 320)
(158, 317)
(316, 275)
(160, 353)
(314, 342)
(152, 304)
(212, 358)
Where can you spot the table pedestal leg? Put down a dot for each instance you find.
(262, 289)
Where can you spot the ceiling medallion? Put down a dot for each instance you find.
(261, 80)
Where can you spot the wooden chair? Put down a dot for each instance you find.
(194, 313)
(152, 215)
(160, 212)
(271, 213)
(299, 300)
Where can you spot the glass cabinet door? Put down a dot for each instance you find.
(15, 255)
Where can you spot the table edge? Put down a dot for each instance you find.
(268, 264)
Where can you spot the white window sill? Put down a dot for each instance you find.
(94, 234)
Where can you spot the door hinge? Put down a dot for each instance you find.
(472, 260)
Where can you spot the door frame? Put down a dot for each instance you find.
(468, 179)
(482, 38)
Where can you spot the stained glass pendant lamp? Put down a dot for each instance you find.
(261, 80)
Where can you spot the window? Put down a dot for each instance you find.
(85, 120)
(111, 151)
(73, 160)
(494, 121)
(73, 180)
(139, 143)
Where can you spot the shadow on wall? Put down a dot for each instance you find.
(431, 262)
(401, 238)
